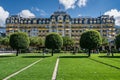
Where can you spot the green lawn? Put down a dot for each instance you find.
(10, 63)
(41, 71)
(71, 67)
(95, 68)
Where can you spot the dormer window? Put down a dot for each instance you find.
(76, 21)
(21, 21)
(34, 21)
(67, 18)
(8, 21)
(39, 21)
(25, 21)
(60, 17)
(29, 21)
(43, 21)
(53, 18)
(16, 21)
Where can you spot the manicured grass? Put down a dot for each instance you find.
(10, 63)
(94, 68)
(71, 67)
(40, 71)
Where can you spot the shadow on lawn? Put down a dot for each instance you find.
(35, 56)
(105, 63)
(109, 56)
(73, 57)
(6, 56)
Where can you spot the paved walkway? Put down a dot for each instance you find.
(22, 70)
(6, 53)
(55, 70)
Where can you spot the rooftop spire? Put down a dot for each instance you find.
(59, 8)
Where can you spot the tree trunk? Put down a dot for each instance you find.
(112, 53)
(17, 52)
(52, 52)
(89, 53)
(65, 48)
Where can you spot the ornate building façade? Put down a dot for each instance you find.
(62, 23)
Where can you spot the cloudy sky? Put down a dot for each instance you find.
(44, 8)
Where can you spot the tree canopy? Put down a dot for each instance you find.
(67, 42)
(90, 40)
(104, 41)
(53, 41)
(117, 41)
(19, 40)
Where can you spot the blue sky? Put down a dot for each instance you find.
(44, 8)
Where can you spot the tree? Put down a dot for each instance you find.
(19, 40)
(5, 41)
(90, 40)
(36, 41)
(40, 42)
(67, 42)
(33, 41)
(117, 41)
(104, 43)
(53, 41)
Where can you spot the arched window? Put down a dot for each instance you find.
(60, 17)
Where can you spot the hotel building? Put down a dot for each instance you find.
(62, 23)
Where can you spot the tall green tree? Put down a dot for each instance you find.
(105, 41)
(36, 42)
(90, 40)
(53, 41)
(33, 41)
(5, 41)
(19, 40)
(40, 42)
(117, 41)
(67, 42)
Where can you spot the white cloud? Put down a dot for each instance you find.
(3, 15)
(82, 3)
(42, 12)
(68, 3)
(26, 14)
(35, 9)
(116, 14)
(79, 15)
(71, 4)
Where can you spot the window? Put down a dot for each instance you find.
(53, 18)
(94, 21)
(85, 21)
(8, 21)
(76, 21)
(39, 21)
(90, 21)
(43, 21)
(60, 17)
(67, 18)
(29, 21)
(47, 21)
(98, 21)
(16, 21)
(25, 21)
(34, 21)
(73, 21)
(21, 21)
(80, 21)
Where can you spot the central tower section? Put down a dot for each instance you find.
(60, 22)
